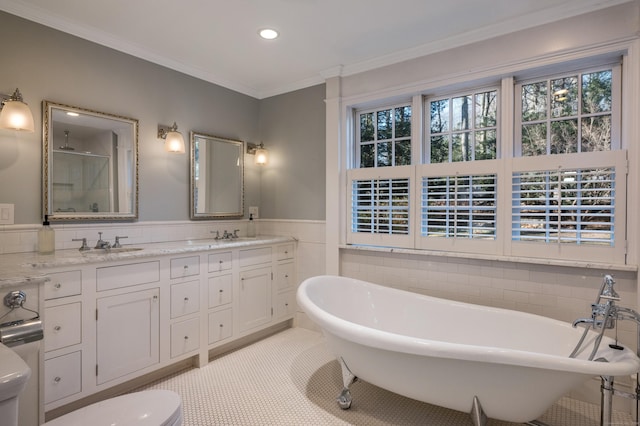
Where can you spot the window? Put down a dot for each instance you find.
(557, 190)
(567, 114)
(463, 128)
(384, 137)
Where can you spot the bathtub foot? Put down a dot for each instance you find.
(344, 399)
(478, 416)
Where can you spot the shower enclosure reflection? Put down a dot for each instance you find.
(90, 164)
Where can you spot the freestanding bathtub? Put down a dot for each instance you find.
(453, 354)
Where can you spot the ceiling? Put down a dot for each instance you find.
(217, 40)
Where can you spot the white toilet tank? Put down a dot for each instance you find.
(146, 408)
(14, 374)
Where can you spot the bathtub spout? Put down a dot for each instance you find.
(582, 321)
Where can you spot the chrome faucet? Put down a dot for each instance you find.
(605, 314)
(102, 244)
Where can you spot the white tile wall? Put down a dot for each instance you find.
(564, 293)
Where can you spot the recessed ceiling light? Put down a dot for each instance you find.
(268, 33)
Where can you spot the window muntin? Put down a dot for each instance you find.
(567, 114)
(463, 127)
(384, 137)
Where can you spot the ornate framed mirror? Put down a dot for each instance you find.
(217, 177)
(90, 164)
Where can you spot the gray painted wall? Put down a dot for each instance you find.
(48, 64)
(292, 127)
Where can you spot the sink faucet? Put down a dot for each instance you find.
(102, 244)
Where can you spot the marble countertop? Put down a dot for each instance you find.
(23, 268)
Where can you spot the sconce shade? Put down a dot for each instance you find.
(15, 114)
(262, 156)
(174, 143)
(173, 139)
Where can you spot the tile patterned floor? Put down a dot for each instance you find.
(291, 378)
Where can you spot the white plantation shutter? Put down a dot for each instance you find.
(459, 206)
(381, 201)
(565, 206)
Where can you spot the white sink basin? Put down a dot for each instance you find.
(113, 250)
(14, 373)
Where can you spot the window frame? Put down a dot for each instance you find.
(508, 129)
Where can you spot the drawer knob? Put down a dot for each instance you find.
(57, 379)
(186, 337)
(57, 328)
(221, 290)
(57, 285)
(186, 299)
(221, 325)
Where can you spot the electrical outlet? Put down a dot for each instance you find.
(254, 212)
(6, 214)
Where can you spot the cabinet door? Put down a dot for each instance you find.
(220, 325)
(127, 333)
(220, 290)
(62, 376)
(185, 337)
(62, 326)
(185, 298)
(285, 276)
(255, 298)
(285, 304)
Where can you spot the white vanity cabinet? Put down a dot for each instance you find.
(108, 322)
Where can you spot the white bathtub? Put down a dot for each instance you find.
(446, 353)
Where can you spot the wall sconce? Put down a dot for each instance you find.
(15, 114)
(173, 140)
(262, 155)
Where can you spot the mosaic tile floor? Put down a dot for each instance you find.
(291, 378)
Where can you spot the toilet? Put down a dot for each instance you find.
(145, 408)
(14, 374)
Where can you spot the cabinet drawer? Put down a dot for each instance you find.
(220, 290)
(285, 251)
(63, 284)
(255, 256)
(185, 267)
(220, 325)
(185, 337)
(285, 276)
(185, 298)
(62, 376)
(285, 304)
(111, 277)
(62, 326)
(219, 262)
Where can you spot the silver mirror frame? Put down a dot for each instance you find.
(47, 153)
(193, 214)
